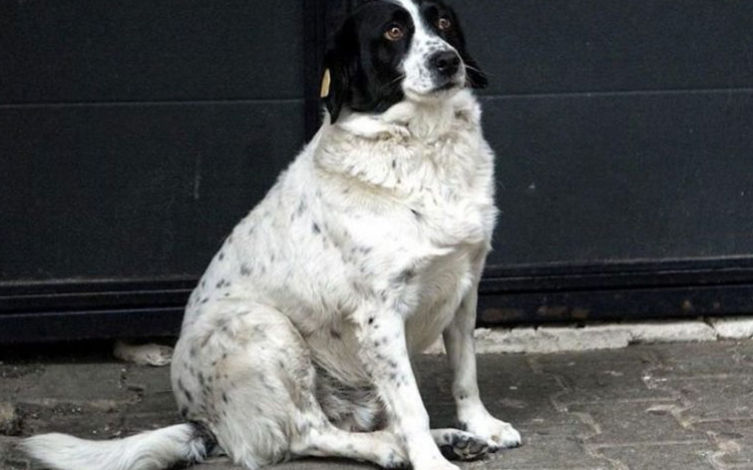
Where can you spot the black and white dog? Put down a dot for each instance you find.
(298, 340)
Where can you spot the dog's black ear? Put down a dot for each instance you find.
(335, 84)
(475, 76)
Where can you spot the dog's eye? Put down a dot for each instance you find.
(394, 33)
(444, 23)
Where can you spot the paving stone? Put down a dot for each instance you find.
(147, 379)
(709, 359)
(717, 398)
(553, 448)
(603, 376)
(629, 396)
(734, 441)
(15, 377)
(155, 407)
(664, 457)
(136, 423)
(89, 422)
(509, 389)
(549, 339)
(664, 331)
(157, 403)
(63, 383)
(10, 457)
(733, 328)
(640, 355)
(10, 421)
(635, 422)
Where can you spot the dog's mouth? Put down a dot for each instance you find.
(438, 91)
(450, 85)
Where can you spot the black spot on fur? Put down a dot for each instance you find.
(301, 207)
(222, 256)
(245, 270)
(417, 214)
(186, 393)
(315, 227)
(405, 277)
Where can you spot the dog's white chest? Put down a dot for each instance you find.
(431, 234)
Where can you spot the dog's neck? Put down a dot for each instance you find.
(381, 150)
(424, 121)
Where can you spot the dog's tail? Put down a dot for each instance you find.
(154, 450)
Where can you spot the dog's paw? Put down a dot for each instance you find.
(505, 436)
(461, 445)
(498, 434)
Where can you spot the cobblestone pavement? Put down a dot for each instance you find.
(666, 407)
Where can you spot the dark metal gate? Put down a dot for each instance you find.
(133, 137)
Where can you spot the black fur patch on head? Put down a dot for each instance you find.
(364, 65)
(434, 10)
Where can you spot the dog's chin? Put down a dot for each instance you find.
(435, 95)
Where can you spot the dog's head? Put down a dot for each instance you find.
(393, 50)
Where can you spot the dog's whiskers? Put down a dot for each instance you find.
(478, 70)
(400, 77)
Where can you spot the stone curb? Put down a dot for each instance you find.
(572, 338)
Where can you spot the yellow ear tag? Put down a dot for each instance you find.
(326, 82)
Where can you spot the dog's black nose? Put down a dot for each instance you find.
(446, 63)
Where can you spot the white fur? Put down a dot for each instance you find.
(381, 220)
(298, 339)
(148, 451)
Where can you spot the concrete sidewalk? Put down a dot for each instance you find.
(665, 407)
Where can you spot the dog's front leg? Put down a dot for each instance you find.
(472, 414)
(384, 354)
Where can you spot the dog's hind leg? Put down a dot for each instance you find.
(246, 373)
(380, 447)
